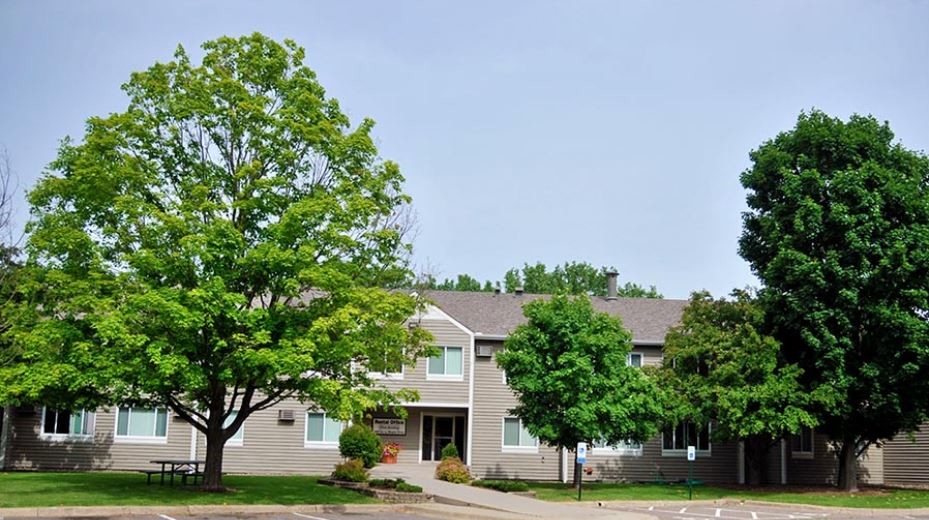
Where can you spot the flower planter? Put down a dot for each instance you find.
(388, 459)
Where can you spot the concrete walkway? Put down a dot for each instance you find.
(465, 495)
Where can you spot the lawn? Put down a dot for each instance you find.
(33, 489)
(867, 497)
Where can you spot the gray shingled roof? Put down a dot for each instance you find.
(492, 314)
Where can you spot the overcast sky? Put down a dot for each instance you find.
(609, 132)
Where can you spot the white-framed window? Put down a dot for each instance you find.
(142, 425)
(634, 359)
(675, 440)
(448, 364)
(65, 424)
(322, 430)
(239, 437)
(623, 448)
(385, 368)
(801, 444)
(517, 438)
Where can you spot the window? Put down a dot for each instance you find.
(802, 444)
(386, 368)
(634, 359)
(448, 364)
(142, 424)
(516, 437)
(61, 424)
(235, 440)
(677, 439)
(322, 430)
(623, 448)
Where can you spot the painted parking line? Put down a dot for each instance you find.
(700, 513)
(310, 517)
(166, 517)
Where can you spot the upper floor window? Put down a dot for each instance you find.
(801, 443)
(685, 434)
(447, 365)
(385, 367)
(142, 424)
(517, 437)
(322, 429)
(61, 423)
(634, 359)
(239, 436)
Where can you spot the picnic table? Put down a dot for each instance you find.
(171, 467)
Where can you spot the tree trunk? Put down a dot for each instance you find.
(756, 454)
(213, 472)
(848, 466)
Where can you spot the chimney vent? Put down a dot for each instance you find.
(611, 285)
(519, 290)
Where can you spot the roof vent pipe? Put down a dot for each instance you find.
(611, 285)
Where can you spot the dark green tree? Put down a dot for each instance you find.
(726, 370)
(568, 368)
(215, 248)
(570, 278)
(838, 232)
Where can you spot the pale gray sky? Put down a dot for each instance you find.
(611, 132)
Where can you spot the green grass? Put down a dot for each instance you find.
(33, 489)
(878, 498)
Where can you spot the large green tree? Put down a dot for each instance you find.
(568, 368)
(838, 232)
(728, 372)
(571, 278)
(214, 248)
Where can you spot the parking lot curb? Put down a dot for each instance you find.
(174, 510)
(858, 511)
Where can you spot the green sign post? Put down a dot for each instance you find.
(691, 457)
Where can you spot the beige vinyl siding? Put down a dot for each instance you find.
(651, 356)
(718, 466)
(492, 402)
(871, 466)
(271, 446)
(28, 450)
(906, 459)
(446, 334)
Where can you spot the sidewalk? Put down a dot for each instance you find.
(464, 495)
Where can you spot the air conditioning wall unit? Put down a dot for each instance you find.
(285, 415)
(484, 351)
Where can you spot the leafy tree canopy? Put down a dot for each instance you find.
(726, 370)
(569, 278)
(838, 232)
(568, 368)
(172, 252)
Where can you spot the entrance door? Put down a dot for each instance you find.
(440, 431)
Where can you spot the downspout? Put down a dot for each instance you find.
(470, 426)
(193, 443)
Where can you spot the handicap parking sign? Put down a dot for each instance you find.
(581, 452)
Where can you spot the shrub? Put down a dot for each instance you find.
(352, 470)
(449, 451)
(452, 470)
(507, 486)
(408, 488)
(385, 483)
(360, 442)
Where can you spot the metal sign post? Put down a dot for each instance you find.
(691, 457)
(581, 460)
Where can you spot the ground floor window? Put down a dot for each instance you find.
(322, 429)
(622, 448)
(802, 443)
(235, 440)
(143, 424)
(61, 423)
(678, 438)
(516, 436)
